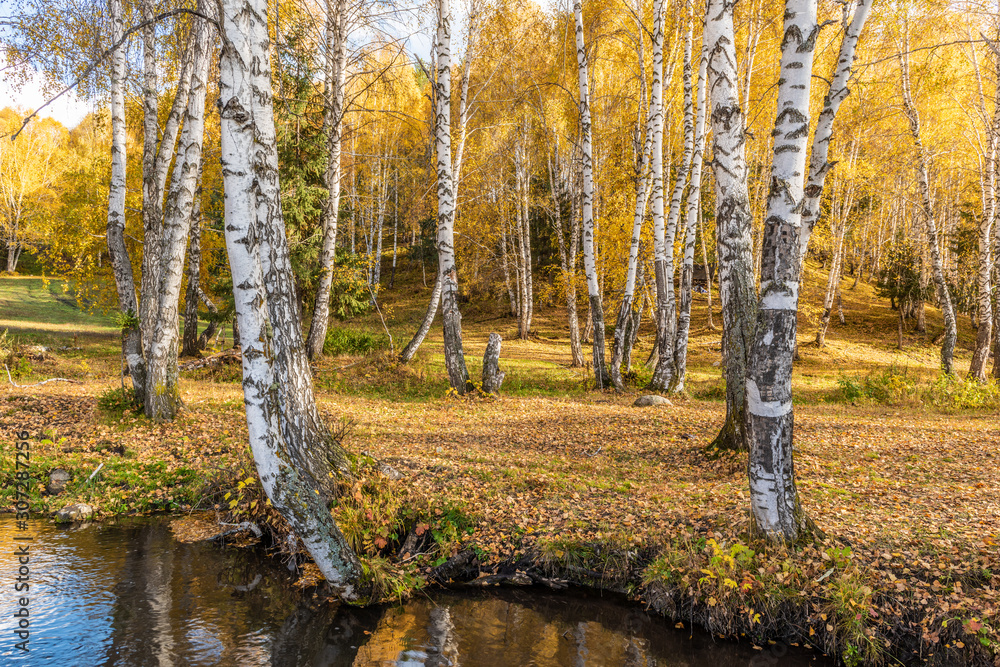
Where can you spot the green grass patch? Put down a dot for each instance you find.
(349, 341)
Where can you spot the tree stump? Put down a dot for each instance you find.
(492, 375)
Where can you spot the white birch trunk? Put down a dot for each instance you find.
(454, 357)
(690, 232)
(163, 399)
(643, 184)
(120, 262)
(665, 231)
(157, 156)
(923, 184)
(248, 159)
(336, 35)
(589, 228)
(733, 218)
(774, 504)
(984, 276)
(819, 164)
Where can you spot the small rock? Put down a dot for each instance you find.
(521, 579)
(58, 479)
(649, 400)
(390, 472)
(75, 512)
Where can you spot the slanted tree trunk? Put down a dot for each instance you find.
(733, 219)
(463, 104)
(492, 375)
(586, 154)
(425, 326)
(709, 277)
(665, 231)
(923, 183)
(273, 350)
(120, 263)
(691, 229)
(163, 399)
(819, 164)
(213, 324)
(454, 357)
(775, 509)
(189, 343)
(336, 78)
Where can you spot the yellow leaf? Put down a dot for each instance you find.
(811, 632)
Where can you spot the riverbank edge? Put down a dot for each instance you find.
(675, 582)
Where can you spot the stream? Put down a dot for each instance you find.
(125, 592)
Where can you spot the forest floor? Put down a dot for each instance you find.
(553, 482)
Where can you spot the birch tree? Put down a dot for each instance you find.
(733, 220)
(454, 357)
(587, 158)
(162, 395)
(665, 228)
(819, 163)
(693, 216)
(987, 223)
(463, 115)
(157, 154)
(774, 504)
(642, 181)
(336, 78)
(120, 263)
(927, 207)
(269, 335)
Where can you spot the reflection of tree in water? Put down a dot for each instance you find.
(323, 634)
(443, 648)
(141, 629)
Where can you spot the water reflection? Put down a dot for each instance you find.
(127, 593)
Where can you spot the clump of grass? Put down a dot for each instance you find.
(348, 341)
(950, 392)
(716, 392)
(888, 385)
(390, 581)
(117, 402)
(850, 602)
